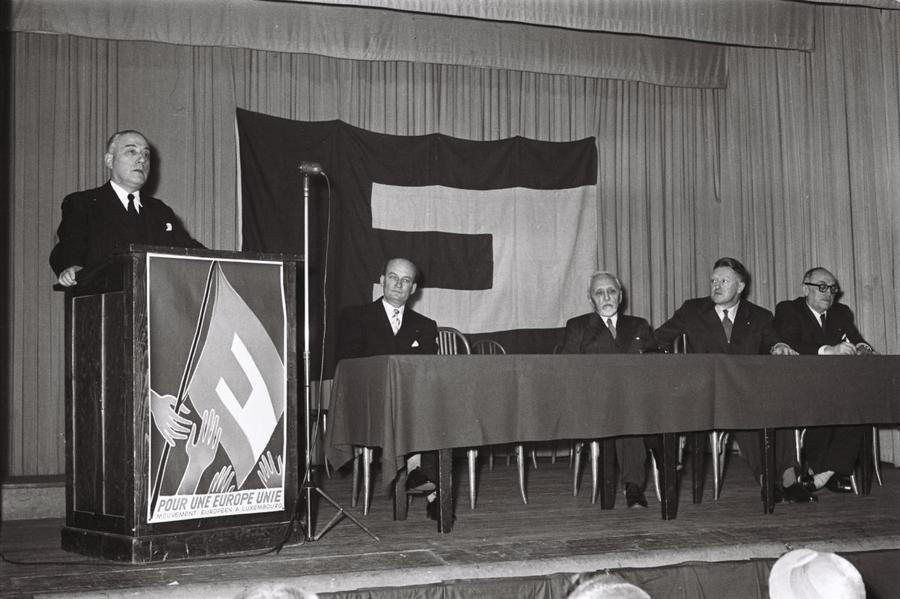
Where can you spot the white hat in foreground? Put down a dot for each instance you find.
(808, 574)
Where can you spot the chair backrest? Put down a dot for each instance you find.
(680, 344)
(487, 346)
(451, 341)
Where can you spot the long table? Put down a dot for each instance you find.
(407, 404)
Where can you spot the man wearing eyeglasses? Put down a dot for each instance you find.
(815, 324)
(388, 326)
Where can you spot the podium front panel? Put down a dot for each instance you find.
(181, 404)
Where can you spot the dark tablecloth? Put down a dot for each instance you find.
(406, 404)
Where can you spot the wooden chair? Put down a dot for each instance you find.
(486, 347)
(452, 342)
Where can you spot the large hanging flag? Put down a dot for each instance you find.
(504, 232)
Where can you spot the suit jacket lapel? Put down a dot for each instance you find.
(624, 332)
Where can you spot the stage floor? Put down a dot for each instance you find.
(555, 532)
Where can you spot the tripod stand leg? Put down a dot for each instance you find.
(341, 512)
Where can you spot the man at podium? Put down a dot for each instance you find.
(101, 221)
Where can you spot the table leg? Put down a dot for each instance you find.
(668, 474)
(401, 504)
(698, 468)
(607, 459)
(445, 490)
(767, 450)
(866, 461)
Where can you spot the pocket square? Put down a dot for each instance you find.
(415, 343)
(168, 227)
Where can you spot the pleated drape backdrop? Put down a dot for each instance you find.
(785, 159)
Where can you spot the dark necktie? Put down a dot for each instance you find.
(132, 209)
(822, 319)
(612, 329)
(727, 325)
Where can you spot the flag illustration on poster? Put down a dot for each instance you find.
(505, 232)
(236, 337)
(231, 460)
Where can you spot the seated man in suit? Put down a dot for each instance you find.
(726, 323)
(389, 326)
(816, 324)
(99, 222)
(605, 331)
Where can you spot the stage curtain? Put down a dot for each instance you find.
(795, 164)
(811, 165)
(741, 22)
(376, 34)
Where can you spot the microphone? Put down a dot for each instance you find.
(311, 168)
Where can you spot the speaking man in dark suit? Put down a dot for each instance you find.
(389, 326)
(725, 323)
(816, 324)
(605, 331)
(99, 222)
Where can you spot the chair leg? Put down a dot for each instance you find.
(876, 455)
(520, 463)
(718, 443)
(472, 453)
(853, 484)
(595, 470)
(534, 459)
(491, 458)
(576, 456)
(367, 479)
(354, 494)
(654, 470)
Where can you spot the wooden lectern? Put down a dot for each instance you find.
(113, 443)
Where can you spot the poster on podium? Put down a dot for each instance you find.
(218, 387)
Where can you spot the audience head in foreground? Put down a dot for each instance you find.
(269, 590)
(809, 574)
(607, 586)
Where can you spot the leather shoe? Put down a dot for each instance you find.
(808, 483)
(839, 484)
(634, 496)
(432, 507)
(797, 494)
(417, 482)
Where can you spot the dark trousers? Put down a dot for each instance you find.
(631, 456)
(785, 451)
(833, 448)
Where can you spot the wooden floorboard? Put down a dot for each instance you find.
(555, 530)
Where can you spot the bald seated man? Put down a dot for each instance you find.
(97, 223)
(389, 326)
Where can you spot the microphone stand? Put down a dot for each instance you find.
(310, 485)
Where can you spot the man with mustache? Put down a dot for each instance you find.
(725, 323)
(99, 222)
(605, 331)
